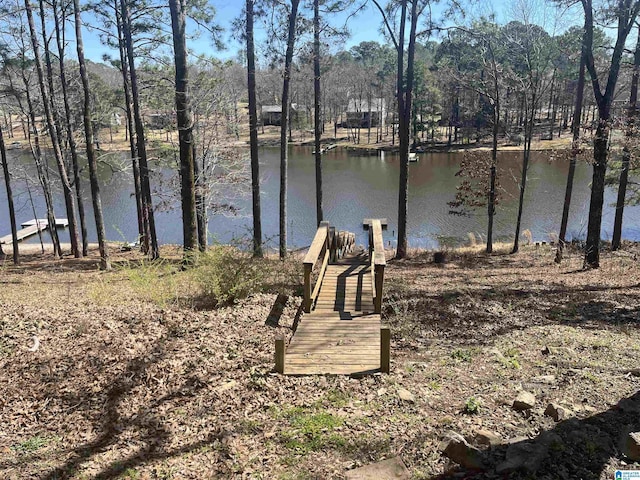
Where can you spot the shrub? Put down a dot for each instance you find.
(226, 274)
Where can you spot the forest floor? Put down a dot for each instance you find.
(133, 374)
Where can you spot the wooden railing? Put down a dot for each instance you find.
(377, 258)
(320, 249)
(327, 246)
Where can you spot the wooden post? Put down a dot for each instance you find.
(307, 287)
(331, 244)
(379, 273)
(280, 354)
(385, 349)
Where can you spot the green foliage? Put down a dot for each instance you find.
(31, 445)
(226, 274)
(510, 359)
(311, 431)
(472, 406)
(154, 281)
(462, 354)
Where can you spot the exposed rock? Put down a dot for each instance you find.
(406, 395)
(631, 446)
(457, 449)
(487, 437)
(524, 401)
(557, 412)
(390, 469)
(527, 456)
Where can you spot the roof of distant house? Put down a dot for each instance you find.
(272, 109)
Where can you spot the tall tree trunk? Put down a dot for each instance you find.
(201, 204)
(626, 152)
(88, 136)
(403, 139)
(525, 167)
(317, 102)
(60, 41)
(626, 13)
(36, 151)
(491, 204)
(12, 212)
(49, 70)
(147, 204)
(66, 186)
(143, 226)
(185, 126)
(253, 133)
(284, 153)
(575, 127)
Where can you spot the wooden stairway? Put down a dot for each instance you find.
(342, 333)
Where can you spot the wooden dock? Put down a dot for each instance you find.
(32, 227)
(325, 149)
(341, 333)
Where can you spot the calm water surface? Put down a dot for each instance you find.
(358, 187)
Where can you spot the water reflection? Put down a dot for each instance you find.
(357, 187)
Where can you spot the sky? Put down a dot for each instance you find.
(365, 26)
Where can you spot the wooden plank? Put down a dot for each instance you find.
(338, 337)
(312, 360)
(279, 360)
(338, 350)
(328, 323)
(60, 222)
(366, 223)
(333, 357)
(332, 369)
(316, 289)
(319, 241)
(385, 349)
(378, 244)
(372, 330)
(330, 343)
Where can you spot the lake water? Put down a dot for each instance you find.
(358, 187)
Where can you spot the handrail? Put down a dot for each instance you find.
(377, 258)
(320, 248)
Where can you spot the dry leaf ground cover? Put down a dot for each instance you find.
(137, 375)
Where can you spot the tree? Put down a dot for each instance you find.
(475, 57)
(317, 105)
(630, 133)
(624, 13)
(150, 239)
(575, 128)
(68, 194)
(404, 91)
(253, 131)
(185, 126)
(530, 52)
(12, 212)
(88, 135)
(60, 23)
(284, 123)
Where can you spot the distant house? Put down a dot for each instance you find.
(361, 113)
(159, 119)
(272, 114)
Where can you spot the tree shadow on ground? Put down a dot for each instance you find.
(478, 315)
(572, 449)
(146, 420)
